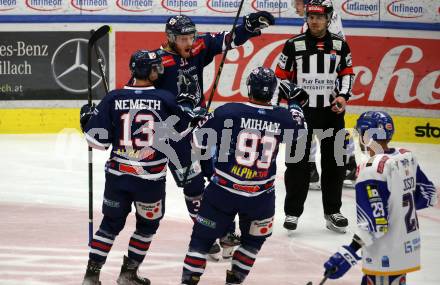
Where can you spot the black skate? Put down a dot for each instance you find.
(128, 275)
(193, 281)
(92, 273)
(290, 223)
(228, 243)
(231, 278)
(336, 222)
(314, 177)
(214, 252)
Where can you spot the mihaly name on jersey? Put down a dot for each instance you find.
(427, 131)
(261, 125)
(137, 104)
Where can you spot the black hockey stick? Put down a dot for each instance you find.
(101, 68)
(101, 32)
(217, 77)
(326, 276)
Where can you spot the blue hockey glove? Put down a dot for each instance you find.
(189, 90)
(255, 22)
(341, 262)
(293, 93)
(86, 112)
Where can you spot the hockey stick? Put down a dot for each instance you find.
(101, 32)
(217, 77)
(101, 68)
(326, 276)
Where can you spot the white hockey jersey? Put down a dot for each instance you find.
(389, 189)
(335, 26)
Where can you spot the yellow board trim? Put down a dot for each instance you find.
(32, 121)
(389, 273)
(38, 121)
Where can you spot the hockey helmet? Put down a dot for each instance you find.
(322, 7)
(379, 123)
(143, 61)
(179, 25)
(261, 83)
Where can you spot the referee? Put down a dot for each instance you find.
(320, 63)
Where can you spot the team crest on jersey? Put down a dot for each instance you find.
(337, 45)
(300, 45)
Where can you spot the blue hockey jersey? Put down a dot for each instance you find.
(245, 145)
(136, 122)
(205, 48)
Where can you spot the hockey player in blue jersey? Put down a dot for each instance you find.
(187, 52)
(246, 138)
(134, 121)
(390, 187)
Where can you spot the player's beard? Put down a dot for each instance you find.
(184, 52)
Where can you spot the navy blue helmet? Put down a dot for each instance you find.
(143, 61)
(179, 25)
(381, 122)
(261, 83)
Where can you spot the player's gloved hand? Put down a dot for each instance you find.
(195, 114)
(255, 22)
(188, 89)
(341, 262)
(293, 93)
(85, 114)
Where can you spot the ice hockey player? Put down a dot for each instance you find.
(390, 187)
(244, 172)
(187, 52)
(317, 61)
(129, 120)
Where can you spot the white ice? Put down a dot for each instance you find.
(43, 224)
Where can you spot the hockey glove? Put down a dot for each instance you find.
(189, 91)
(195, 114)
(293, 93)
(86, 112)
(255, 22)
(341, 262)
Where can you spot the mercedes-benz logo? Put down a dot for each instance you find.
(69, 66)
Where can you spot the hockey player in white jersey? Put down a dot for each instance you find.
(389, 189)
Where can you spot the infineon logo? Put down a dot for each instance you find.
(44, 5)
(270, 6)
(360, 8)
(90, 5)
(404, 10)
(135, 5)
(180, 5)
(6, 5)
(223, 6)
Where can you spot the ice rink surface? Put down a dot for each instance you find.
(44, 223)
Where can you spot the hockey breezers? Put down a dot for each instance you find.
(98, 34)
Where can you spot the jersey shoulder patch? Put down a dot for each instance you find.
(381, 164)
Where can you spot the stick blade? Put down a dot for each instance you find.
(99, 33)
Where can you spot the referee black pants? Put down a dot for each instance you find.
(297, 175)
